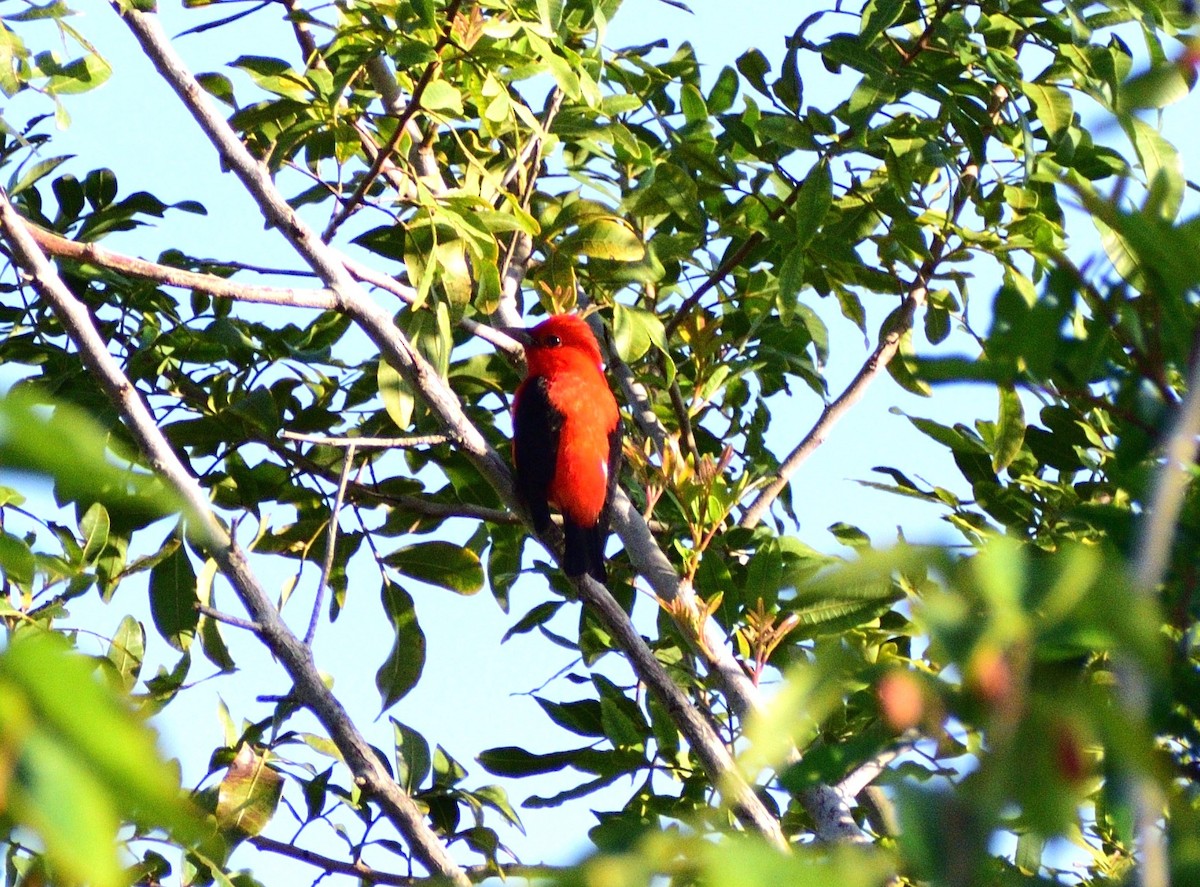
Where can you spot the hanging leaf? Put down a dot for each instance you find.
(248, 793)
(402, 668)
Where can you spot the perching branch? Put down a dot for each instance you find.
(377, 323)
(208, 533)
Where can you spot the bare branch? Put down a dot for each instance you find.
(235, 621)
(718, 762)
(330, 546)
(207, 532)
(515, 264)
(211, 284)
(368, 875)
(406, 116)
(887, 349)
(396, 177)
(734, 261)
(421, 155)
(411, 441)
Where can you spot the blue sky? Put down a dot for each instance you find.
(135, 126)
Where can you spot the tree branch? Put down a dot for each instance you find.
(1151, 560)
(727, 267)
(330, 545)
(406, 116)
(368, 875)
(210, 284)
(332, 268)
(207, 532)
(883, 354)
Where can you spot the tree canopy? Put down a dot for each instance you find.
(226, 452)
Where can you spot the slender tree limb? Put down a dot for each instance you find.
(515, 264)
(709, 747)
(413, 440)
(366, 274)
(235, 621)
(1151, 561)
(330, 546)
(533, 147)
(421, 155)
(885, 351)
(207, 532)
(732, 262)
(396, 177)
(211, 284)
(406, 116)
(368, 875)
(331, 267)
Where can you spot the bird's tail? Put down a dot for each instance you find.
(585, 551)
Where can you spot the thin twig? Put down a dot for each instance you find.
(1151, 560)
(235, 621)
(368, 875)
(330, 546)
(411, 108)
(889, 345)
(209, 284)
(727, 267)
(409, 442)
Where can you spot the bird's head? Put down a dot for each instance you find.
(559, 340)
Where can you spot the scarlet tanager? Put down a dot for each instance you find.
(567, 438)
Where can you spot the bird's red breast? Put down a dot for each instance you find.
(567, 440)
(565, 369)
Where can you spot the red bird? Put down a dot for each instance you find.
(567, 438)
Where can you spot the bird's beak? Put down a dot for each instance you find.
(517, 334)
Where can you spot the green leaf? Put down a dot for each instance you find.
(513, 761)
(1163, 166)
(444, 564)
(1010, 429)
(127, 650)
(17, 563)
(1161, 85)
(53, 693)
(754, 67)
(813, 203)
(441, 96)
(605, 237)
(583, 717)
(68, 446)
(724, 91)
(396, 395)
(1052, 106)
(404, 664)
(635, 330)
(35, 173)
(173, 597)
(248, 794)
(413, 760)
(95, 527)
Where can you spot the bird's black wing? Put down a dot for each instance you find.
(536, 427)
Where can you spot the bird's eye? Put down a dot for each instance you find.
(552, 341)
